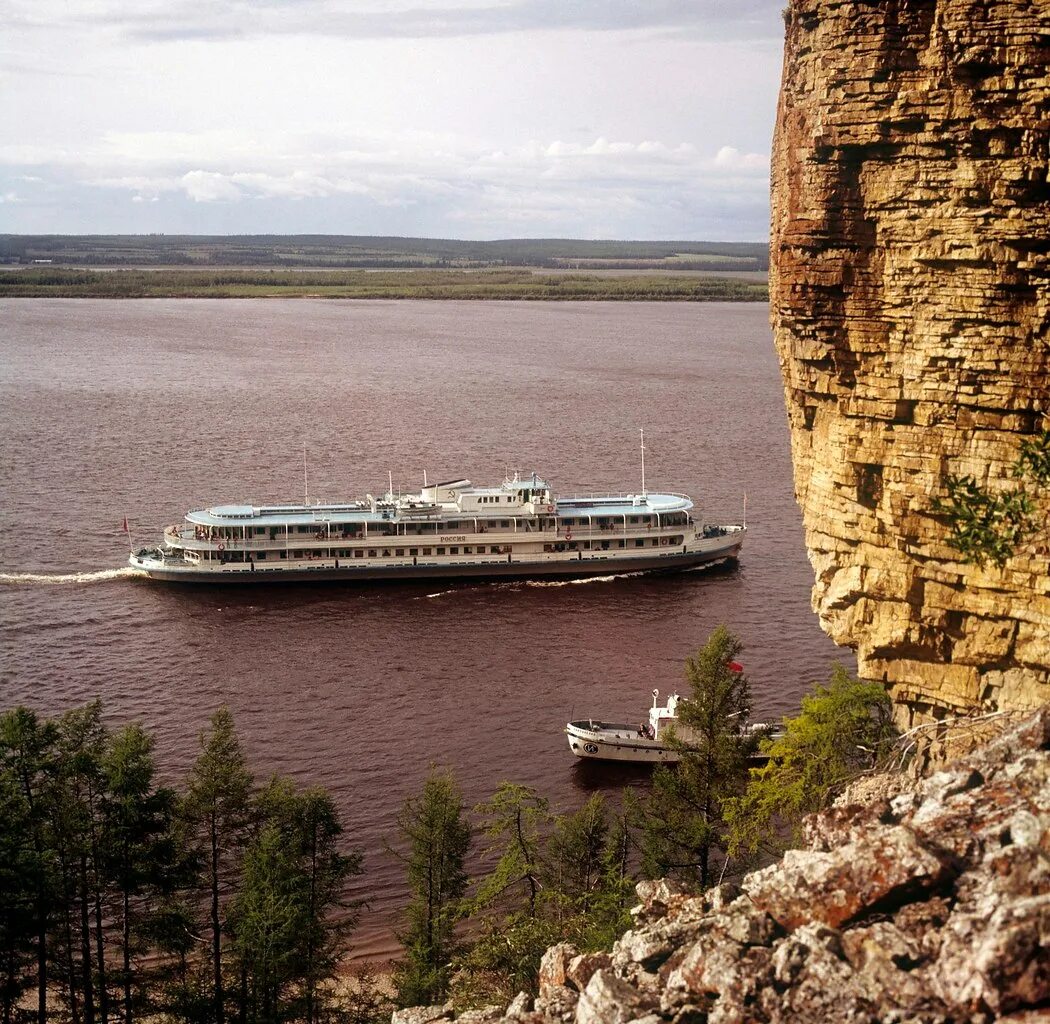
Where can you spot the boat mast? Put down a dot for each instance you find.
(306, 479)
(642, 433)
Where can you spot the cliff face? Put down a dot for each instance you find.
(911, 309)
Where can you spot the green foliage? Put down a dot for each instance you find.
(103, 885)
(143, 859)
(985, 526)
(512, 819)
(556, 878)
(587, 888)
(217, 809)
(1034, 460)
(290, 919)
(438, 839)
(842, 729)
(989, 526)
(503, 959)
(683, 819)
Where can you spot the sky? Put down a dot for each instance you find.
(437, 118)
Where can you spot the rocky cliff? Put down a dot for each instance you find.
(928, 904)
(910, 294)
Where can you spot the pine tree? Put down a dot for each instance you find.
(683, 819)
(217, 805)
(28, 758)
(842, 729)
(144, 860)
(313, 870)
(437, 838)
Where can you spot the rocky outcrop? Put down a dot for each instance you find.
(931, 904)
(911, 309)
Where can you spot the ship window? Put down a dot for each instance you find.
(371, 553)
(493, 550)
(400, 552)
(639, 543)
(413, 551)
(359, 554)
(504, 523)
(284, 554)
(621, 543)
(261, 556)
(440, 551)
(426, 551)
(453, 551)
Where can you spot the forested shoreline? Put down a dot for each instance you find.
(226, 899)
(64, 282)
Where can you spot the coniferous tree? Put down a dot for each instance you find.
(144, 861)
(842, 730)
(587, 887)
(27, 757)
(683, 819)
(19, 867)
(298, 872)
(217, 806)
(268, 920)
(437, 836)
(510, 901)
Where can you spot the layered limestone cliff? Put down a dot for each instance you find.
(910, 293)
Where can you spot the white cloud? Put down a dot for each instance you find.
(185, 20)
(730, 156)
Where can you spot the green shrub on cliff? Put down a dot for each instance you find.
(989, 526)
(842, 730)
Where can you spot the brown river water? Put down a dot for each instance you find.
(155, 407)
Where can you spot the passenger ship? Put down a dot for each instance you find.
(447, 530)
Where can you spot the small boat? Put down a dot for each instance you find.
(645, 743)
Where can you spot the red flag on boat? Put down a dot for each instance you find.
(125, 527)
(734, 666)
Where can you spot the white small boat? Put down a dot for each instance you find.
(645, 743)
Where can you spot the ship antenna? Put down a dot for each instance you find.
(306, 479)
(424, 478)
(390, 488)
(642, 433)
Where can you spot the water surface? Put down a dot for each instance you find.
(155, 407)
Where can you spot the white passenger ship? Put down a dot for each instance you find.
(454, 529)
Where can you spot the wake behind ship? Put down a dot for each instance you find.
(449, 530)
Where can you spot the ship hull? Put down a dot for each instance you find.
(341, 570)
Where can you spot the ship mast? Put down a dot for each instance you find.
(306, 480)
(642, 433)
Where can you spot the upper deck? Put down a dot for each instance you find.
(514, 498)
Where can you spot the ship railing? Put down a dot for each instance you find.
(621, 495)
(595, 531)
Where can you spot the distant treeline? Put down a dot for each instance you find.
(361, 284)
(369, 251)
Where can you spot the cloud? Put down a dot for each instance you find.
(731, 157)
(209, 187)
(170, 20)
(535, 187)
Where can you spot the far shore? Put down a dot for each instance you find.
(663, 285)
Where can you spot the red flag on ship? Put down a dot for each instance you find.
(734, 666)
(125, 527)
